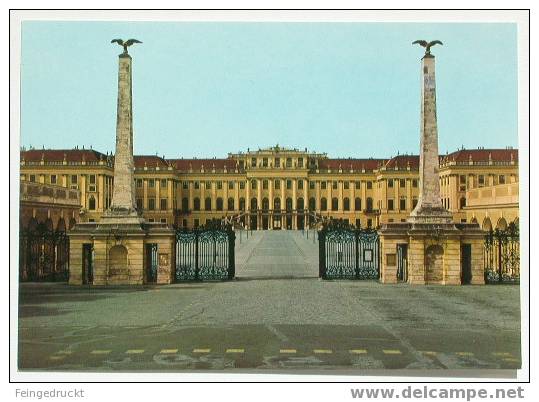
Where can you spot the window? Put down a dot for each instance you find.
(462, 202)
(369, 204)
(402, 183)
(196, 223)
(230, 204)
(163, 220)
(414, 182)
(163, 204)
(334, 185)
(414, 203)
(357, 204)
(277, 184)
(163, 183)
(481, 180)
(312, 204)
(185, 185)
(402, 205)
(300, 184)
(369, 223)
(219, 204)
(33, 178)
(323, 185)
(151, 183)
(219, 185)
(92, 179)
(323, 204)
(53, 179)
(288, 162)
(196, 204)
(139, 183)
(184, 223)
(91, 220)
(242, 185)
(207, 204)
(346, 204)
(277, 162)
(265, 204)
(358, 185)
(231, 185)
(74, 178)
(300, 162)
(151, 204)
(277, 204)
(91, 203)
(288, 184)
(208, 185)
(253, 162)
(358, 223)
(139, 204)
(185, 204)
(197, 185)
(242, 204)
(264, 184)
(390, 182)
(369, 185)
(300, 204)
(390, 205)
(253, 184)
(311, 185)
(334, 204)
(346, 185)
(265, 162)
(254, 205)
(289, 204)
(501, 179)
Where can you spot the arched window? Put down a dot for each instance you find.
(346, 204)
(242, 204)
(196, 204)
(323, 204)
(91, 203)
(265, 204)
(207, 204)
(301, 204)
(357, 204)
(312, 204)
(230, 205)
(185, 204)
(369, 204)
(289, 204)
(61, 225)
(502, 224)
(334, 204)
(277, 204)
(219, 204)
(254, 205)
(487, 225)
(462, 202)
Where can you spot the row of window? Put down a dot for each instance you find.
(53, 179)
(276, 184)
(466, 181)
(268, 162)
(401, 182)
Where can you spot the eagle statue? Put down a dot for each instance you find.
(125, 44)
(427, 45)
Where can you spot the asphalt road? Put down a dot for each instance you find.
(276, 316)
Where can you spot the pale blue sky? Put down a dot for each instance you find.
(205, 89)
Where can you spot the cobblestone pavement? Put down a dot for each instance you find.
(276, 316)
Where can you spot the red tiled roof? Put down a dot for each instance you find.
(58, 155)
(482, 155)
(196, 164)
(402, 162)
(346, 164)
(150, 161)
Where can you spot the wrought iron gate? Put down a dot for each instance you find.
(151, 263)
(502, 255)
(43, 255)
(206, 253)
(348, 253)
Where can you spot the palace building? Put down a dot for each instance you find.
(280, 188)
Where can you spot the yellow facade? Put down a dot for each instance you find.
(280, 188)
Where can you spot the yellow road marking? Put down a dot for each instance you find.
(501, 354)
(168, 351)
(201, 350)
(325, 351)
(134, 351)
(511, 359)
(64, 352)
(235, 350)
(100, 352)
(57, 357)
(392, 352)
(464, 353)
(429, 353)
(358, 351)
(287, 351)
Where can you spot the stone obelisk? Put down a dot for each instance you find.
(429, 208)
(123, 208)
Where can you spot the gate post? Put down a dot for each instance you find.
(231, 257)
(321, 254)
(196, 254)
(356, 237)
(500, 262)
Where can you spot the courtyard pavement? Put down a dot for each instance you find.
(277, 316)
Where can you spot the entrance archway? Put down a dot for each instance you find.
(434, 263)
